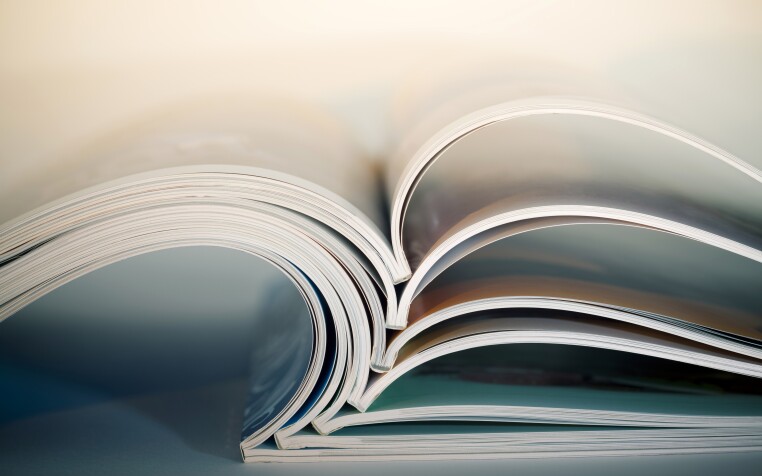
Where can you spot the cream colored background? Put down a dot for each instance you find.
(72, 71)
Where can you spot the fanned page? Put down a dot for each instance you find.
(541, 266)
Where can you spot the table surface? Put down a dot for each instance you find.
(196, 432)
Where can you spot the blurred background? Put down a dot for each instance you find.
(73, 70)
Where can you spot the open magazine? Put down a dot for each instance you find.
(528, 277)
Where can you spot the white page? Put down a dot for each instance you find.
(615, 265)
(578, 160)
(239, 130)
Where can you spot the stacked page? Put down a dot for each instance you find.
(533, 277)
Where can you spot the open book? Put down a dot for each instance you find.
(540, 276)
